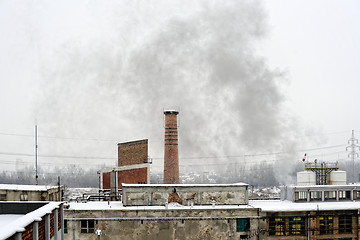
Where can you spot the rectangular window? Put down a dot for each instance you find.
(277, 226)
(345, 224)
(3, 197)
(87, 226)
(242, 224)
(326, 224)
(65, 226)
(297, 225)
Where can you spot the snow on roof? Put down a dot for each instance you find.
(6, 218)
(113, 205)
(19, 224)
(288, 206)
(185, 185)
(345, 186)
(264, 205)
(17, 187)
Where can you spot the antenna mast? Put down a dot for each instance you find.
(353, 154)
(36, 153)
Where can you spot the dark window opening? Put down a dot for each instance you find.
(345, 224)
(277, 226)
(87, 226)
(326, 224)
(65, 226)
(297, 226)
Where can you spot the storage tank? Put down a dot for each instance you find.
(306, 178)
(337, 178)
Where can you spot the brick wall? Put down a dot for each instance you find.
(42, 229)
(171, 157)
(106, 180)
(135, 152)
(138, 175)
(59, 218)
(27, 235)
(52, 229)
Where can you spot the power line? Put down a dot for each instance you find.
(55, 156)
(260, 154)
(53, 137)
(184, 158)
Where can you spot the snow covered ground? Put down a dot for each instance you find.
(71, 194)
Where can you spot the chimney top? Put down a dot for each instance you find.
(166, 112)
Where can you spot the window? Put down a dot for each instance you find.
(297, 226)
(277, 226)
(330, 195)
(345, 224)
(65, 226)
(242, 224)
(326, 224)
(3, 197)
(23, 196)
(87, 226)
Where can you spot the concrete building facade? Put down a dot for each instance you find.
(185, 194)
(15, 192)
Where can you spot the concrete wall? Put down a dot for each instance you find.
(162, 224)
(52, 194)
(135, 152)
(157, 195)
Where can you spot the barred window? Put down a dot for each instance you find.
(277, 226)
(297, 226)
(326, 224)
(345, 224)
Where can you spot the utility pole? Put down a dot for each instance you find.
(353, 154)
(36, 153)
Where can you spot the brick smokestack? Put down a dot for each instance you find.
(171, 155)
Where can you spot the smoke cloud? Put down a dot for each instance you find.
(199, 58)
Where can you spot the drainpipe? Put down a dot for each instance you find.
(308, 226)
(230, 225)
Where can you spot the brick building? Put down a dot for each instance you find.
(31, 220)
(133, 166)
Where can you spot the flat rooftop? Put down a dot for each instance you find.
(264, 205)
(185, 185)
(18, 187)
(115, 205)
(289, 206)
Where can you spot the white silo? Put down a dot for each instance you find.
(306, 178)
(337, 178)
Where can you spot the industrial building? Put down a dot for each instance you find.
(31, 220)
(320, 206)
(15, 192)
(168, 211)
(133, 166)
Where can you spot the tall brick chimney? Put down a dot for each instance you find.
(171, 155)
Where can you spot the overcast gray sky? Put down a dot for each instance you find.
(248, 77)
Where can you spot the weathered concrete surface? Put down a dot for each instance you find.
(200, 194)
(27, 194)
(160, 224)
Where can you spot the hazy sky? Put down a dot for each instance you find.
(248, 77)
